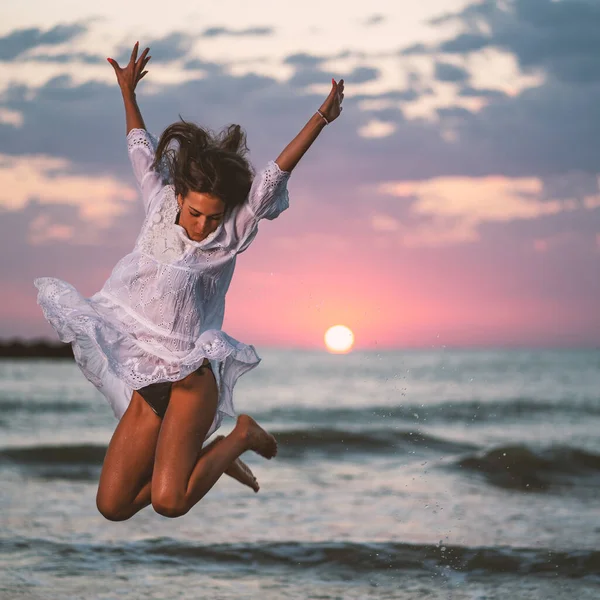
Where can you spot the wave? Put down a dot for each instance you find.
(8, 406)
(471, 411)
(330, 441)
(458, 411)
(81, 461)
(523, 468)
(359, 558)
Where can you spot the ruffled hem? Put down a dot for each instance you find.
(111, 358)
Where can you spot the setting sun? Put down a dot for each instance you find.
(339, 339)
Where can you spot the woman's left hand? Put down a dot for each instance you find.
(332, 107)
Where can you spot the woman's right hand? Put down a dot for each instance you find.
(129, 76)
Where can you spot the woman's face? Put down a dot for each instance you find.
(200, 214)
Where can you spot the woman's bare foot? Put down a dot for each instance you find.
(241, 472)
(256, 437)
(238, 470)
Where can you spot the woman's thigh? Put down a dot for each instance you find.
(129, 459)
(186, 423)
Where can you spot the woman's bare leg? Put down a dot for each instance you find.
(126, 479)
(180, 479)
(124, 486)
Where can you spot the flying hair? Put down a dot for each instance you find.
(199, 160)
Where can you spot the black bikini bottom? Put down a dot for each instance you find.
(157, 395)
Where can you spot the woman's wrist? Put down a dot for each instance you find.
(128, 95)
(323, 117)
(318, 121)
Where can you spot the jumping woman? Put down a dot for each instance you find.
(151, 340)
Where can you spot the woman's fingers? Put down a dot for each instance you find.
(114, 64)
(141, 76)
(133, 57)
(142, 57)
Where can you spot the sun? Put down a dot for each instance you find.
(339, 339)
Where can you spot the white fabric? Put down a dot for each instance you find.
(160, 313)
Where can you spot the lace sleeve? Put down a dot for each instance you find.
(141, 147)
(267, 199)
(268, 196)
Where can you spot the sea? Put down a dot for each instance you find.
(437, 473)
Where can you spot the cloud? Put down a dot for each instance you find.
(362, 75)
(451, 73)
(308, 71)
(166, 49)
(548, 130)
(559, 37)
(97, 199)
(65, 58)
(22, 40)
(468, 91)
(455, 207)
(463, 44)
(55, 118)
(203, 65)
(304, 60)
(171, 47)
(305, 77)
(212, 32)
(374, 20)
(415, 49)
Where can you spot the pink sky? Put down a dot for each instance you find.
(455, 202)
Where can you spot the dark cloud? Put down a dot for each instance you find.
(468, 91)
(171, 47)
(559, 37)
(408, 95)
(306, 77)
(374, 20)
(362, 75)
(303, 60)
(85, 123)
(415, 49)
(455, 112)
(66, 58)
(464, 43)
(208, 67)
(22, 40)
(212, 32)
(390, 115)
(450, 73)
(574, 185)
(308, 71)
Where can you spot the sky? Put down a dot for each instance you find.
(455, 202)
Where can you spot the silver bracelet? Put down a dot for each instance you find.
(323, 117)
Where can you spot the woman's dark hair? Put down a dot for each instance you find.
(206, 162)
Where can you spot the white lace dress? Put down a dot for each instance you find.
(160, 313)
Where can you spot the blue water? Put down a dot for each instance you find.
(414, 474)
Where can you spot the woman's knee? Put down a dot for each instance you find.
(113, 509)
(169, 504)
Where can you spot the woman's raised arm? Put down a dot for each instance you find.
(128, 77)
(330, 110)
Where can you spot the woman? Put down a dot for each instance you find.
(151, 339)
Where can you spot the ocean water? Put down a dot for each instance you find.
(409, 474)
